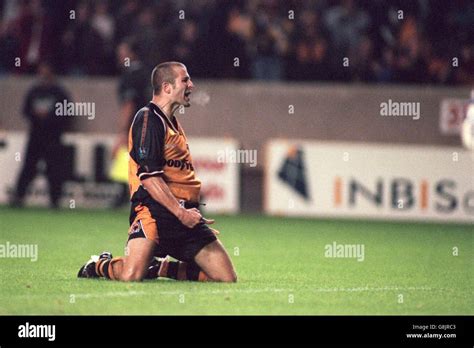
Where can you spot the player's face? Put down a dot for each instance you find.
(183, 87)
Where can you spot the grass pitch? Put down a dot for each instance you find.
(408, 268)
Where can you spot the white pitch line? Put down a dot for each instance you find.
(87, 295)
(369, 289)
(110, 294)
(358, 289)
(225, 291)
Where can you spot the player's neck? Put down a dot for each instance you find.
(165, 106)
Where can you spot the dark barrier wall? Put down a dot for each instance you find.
(254, 112)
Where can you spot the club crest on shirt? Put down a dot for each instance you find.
(135, 228)
(142, 152)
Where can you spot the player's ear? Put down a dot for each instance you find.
(166, 87)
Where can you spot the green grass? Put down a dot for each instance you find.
(279, 260)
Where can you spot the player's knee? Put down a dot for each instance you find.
(131, 278)
(226, 278)
(232, 279)
(132, 275)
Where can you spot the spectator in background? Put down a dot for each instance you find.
(104, 25)
(230, 30)
(309, 57)
(127, 14)
(299, 62)
(188, 48)
(309, 26)
(251, 38)
(362, 61)
(438, 62)
(270, 43)
(190, 42)
(440, 70)
(82, 45)
(312, 62)
(9, 48)
(346, 24)
(409, 64)
(10, 9)
(461, 20)
(153, 34)
(35, 34)
(464, 74)
(384, 67)
(45, 135)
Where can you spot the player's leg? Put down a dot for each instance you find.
(142, 241)
(177, 270)
(132, 267)
(175, 240)
(215, 262)
(113, 268)
(202, 251)
(54, 171)
(28, 172)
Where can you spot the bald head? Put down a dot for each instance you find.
(164, 72)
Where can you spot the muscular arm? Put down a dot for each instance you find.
(160, 192)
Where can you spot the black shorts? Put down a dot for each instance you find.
(153, 221)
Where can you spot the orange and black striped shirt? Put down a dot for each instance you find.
(158, 146)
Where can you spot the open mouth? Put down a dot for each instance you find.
(187, 94)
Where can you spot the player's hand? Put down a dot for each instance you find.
(190, 217)
(210, 222)
(207, 221)
(216, 232)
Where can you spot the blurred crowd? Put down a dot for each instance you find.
(393, 41)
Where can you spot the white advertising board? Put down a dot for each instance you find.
(87, 160)
(378, 181)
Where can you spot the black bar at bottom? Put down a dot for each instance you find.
(218, 330)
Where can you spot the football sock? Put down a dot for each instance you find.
(176, 270)
(104, 267)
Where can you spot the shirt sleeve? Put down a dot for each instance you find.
(148, 138)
